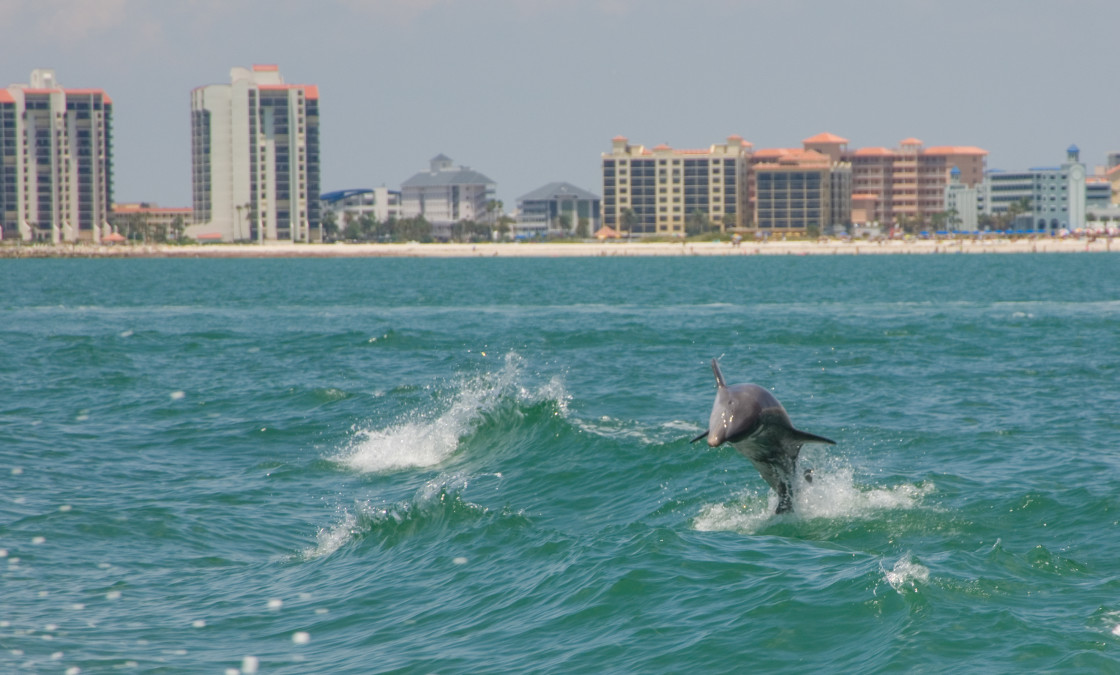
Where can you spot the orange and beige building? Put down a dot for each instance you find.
(56, 165)
(776, 190)
(907, 184)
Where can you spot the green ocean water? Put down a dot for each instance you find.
(467, 466)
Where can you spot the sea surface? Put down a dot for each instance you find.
(483, 466)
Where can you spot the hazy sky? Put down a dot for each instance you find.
(532, 91)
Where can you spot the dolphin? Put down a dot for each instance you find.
(754, 423)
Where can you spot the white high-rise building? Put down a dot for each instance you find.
(56, 163)
(255, 158)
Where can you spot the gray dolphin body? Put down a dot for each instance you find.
(754, 423)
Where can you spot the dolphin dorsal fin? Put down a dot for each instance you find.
(719, 376)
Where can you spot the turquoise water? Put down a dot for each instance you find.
(461, 466)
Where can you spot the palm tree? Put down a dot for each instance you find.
(629, 220)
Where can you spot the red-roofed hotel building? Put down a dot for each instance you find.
(908, 183)
(255, 159)
(887, 186)
(56, 168)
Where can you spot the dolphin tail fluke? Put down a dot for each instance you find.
(806, 437)
(719, 375)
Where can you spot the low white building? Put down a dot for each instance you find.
(381, 203)
(962, 203)
(448, 194)
(1055, 196)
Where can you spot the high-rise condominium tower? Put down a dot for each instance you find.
(56, 163)
(255, 158)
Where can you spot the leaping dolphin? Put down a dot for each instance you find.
(754, 423)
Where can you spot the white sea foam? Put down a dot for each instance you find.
(906, 574)
(833, 494)
(428, 439)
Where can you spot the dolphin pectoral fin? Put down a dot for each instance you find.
(703, 435)
(806, 437)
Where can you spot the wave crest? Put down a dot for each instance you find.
(426, 439)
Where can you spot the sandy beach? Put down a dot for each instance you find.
(560, 250)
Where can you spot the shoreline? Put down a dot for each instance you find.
(560, 250)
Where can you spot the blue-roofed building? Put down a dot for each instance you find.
(448, 194)
(1055, 196)
(381, 203)
(557, 209)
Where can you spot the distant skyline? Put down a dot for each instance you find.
(532, 91)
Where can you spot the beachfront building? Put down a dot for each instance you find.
(1098, 192)
(149, 221)
(380, 203)
(906, 185)
(801, 190)
(663, 191)
(447, 194)
(557, 210)
(962, 204)
(56, 168)
(791, 190)
(255, 159)
(1043, 199)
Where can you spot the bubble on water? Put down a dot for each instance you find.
(178, 395)
(17, 470)
(250, 665)
(38, 540)
(459, 560)
(113, 595)
(64, 508)
(126, 333)
(275, 604)
(198, 623)
(301, 637)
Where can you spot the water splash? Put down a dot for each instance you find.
(426, 439)
(906, 574)
(833, 494)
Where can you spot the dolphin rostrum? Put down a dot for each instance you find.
(754, 423)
